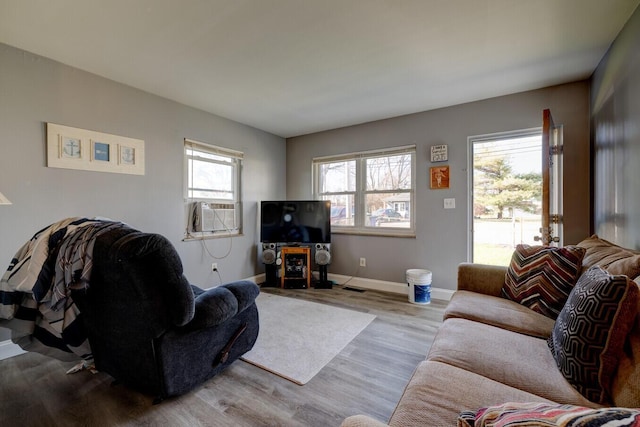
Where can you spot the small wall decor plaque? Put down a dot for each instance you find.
(439, 177)
(101, 151)
(70, 148)
(439, 153)
(74, 148)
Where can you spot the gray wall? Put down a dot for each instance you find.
(441, 241)
(35, 90)
(615, 113)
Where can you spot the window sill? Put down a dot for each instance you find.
(196, 236)
(409, 234)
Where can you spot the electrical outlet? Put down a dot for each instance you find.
(214, 266)
(363, 262)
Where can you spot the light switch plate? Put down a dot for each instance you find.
(449, 203)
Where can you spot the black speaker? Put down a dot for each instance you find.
(323, 258)
(268, 253)
(271, 276)
(323, 253)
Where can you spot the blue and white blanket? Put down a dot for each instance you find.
(35, 301)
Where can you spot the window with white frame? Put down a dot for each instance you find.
(212, 190)
(370, 192)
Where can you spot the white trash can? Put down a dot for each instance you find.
(419, 283)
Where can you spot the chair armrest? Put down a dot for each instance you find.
(217, 305)
(481, 278)
(245, 292)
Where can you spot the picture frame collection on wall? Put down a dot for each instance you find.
(439, 175)
(75, 148)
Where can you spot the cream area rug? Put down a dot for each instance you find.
(298, 338)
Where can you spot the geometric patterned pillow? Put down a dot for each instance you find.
(589, 334)
(541, 277)
(529, 414)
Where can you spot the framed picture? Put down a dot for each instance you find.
(439, 153)
(74, 148)
(439, 177)
(70, 147)
(100, 151)
(127, 155)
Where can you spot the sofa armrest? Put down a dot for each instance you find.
(217, 305)
(481, 278)
(362, 421)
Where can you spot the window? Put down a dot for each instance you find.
(212, 190)
(370, 192)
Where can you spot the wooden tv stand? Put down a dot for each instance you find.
(295, 268)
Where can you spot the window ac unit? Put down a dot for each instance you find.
(213, 216)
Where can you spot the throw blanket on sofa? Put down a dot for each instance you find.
(35, 300)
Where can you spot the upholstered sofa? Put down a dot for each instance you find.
(491, 350)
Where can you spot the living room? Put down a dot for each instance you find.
(36, 90)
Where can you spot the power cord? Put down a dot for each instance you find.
(219, 276)
(352, 276)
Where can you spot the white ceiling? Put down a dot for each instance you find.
(292, 67)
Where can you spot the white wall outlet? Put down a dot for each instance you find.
(214, 266)
(363, 262)
(449, 203)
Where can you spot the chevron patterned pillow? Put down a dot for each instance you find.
(588, 337)
(541, 277)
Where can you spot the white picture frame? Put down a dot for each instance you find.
(126, 155)
(75, 148)
(70, 147)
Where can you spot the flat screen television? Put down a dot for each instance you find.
(295, 221)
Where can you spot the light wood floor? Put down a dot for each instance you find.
(367, 377)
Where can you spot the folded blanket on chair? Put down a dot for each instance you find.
(35, 300)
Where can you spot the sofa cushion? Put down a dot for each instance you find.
(610, 257)
(517, 360)
(513, 414)
(625, 389)
(362, 421)
(438, 392)
(504, 313)
(541, 277)
(589, 334)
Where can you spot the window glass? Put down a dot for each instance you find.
(208, 180)
(389, 172)
(338, 176)
(370, 192)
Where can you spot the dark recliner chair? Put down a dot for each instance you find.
(149, 328)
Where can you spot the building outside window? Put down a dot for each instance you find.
(370, 192)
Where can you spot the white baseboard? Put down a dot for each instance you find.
(384, 286)
(377, 285)
(9, 349)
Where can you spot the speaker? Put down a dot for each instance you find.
(323, 253)
(268, 253)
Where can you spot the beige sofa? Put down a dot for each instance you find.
(491, 350)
